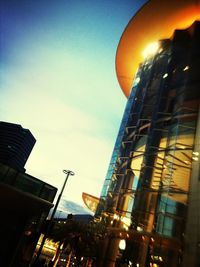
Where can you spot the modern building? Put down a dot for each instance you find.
(151, 194)
(16, 144)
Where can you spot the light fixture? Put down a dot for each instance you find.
(139, 229)
(186, 68)
(122, 244)
(116, 217)
(125, 227)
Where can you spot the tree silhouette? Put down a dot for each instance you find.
(79, 239)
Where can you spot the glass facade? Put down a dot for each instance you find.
(149, 180)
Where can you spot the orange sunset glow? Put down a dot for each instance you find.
(154, 21)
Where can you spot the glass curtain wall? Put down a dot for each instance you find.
(148, 180)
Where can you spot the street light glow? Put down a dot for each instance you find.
(122, 244)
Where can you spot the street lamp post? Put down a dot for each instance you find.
(68, 173)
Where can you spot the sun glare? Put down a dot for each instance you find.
(150, 49)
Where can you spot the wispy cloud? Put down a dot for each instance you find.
(66, 138)
(59, 81)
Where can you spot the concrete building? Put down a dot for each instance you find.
(151, 194)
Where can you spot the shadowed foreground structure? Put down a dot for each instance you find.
(25, 201)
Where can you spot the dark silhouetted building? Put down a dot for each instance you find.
(16, 144)
(25, 201)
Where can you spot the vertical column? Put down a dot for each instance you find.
(112, 252)
(192, 234)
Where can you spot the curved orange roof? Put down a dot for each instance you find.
(90, 201)
(156, 20)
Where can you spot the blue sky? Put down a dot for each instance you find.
(57, 78)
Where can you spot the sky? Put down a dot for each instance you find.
(57, 79)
